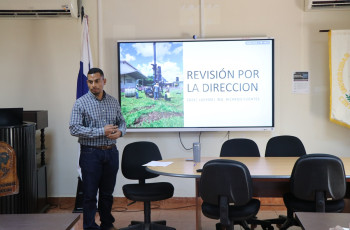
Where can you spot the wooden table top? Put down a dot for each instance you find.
(44, 221)
(259, 167)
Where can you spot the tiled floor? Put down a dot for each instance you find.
(181, 217)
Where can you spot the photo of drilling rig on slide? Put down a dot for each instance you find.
(150, 87)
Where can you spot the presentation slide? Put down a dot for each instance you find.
(227, 83)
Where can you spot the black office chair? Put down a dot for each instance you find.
(284, 146)
(317, 184)
(226, 191)
(134, 156)
(243, 147)
(239, 147)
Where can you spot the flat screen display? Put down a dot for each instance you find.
(197, 85)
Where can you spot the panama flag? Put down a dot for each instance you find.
(339, 63)
(85, 60)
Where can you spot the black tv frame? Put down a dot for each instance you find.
(199, 129)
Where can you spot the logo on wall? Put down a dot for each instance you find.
(340, 77)
(8, 170)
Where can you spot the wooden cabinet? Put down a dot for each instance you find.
(41, 119)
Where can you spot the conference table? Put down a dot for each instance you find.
(270, 175)
(322, 221)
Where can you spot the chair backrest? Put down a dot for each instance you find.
(137, 154)
(314, 173)
(228, 178)
(284, 146)
(239, 147)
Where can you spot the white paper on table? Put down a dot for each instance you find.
(158, 163)
(339, 228)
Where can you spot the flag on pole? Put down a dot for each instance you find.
(85, 60)
(339, 65)
(85, 65)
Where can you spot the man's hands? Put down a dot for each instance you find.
(112, 132)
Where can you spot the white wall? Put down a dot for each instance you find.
(39, 62)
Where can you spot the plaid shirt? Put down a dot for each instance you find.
(90, 115)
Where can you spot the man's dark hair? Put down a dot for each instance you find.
(96, 70)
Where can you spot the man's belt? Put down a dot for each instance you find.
(103, 147)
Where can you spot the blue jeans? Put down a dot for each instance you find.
(156, 95)
(99, 171)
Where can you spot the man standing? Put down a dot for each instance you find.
(97, 122)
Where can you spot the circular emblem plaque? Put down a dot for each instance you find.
(8, 170)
